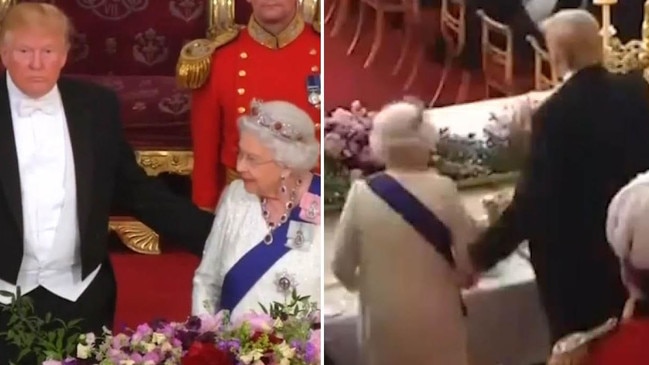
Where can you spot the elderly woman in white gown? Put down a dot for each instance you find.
(401, 242)
(265, 240)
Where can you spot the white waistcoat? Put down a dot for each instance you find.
(51, 257)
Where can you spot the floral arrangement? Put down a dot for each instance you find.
(347, 152)
(492, 157)
(285, 334)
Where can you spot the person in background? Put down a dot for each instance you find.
(623, 339)
(276, 57)
(265, 240)
(65, 163)
(588, 139)
(401, 242)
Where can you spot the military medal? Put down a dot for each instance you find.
(313, 89)
(285, 282)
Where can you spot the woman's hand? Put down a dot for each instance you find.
(577, 357)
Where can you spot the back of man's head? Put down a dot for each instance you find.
(573, 39)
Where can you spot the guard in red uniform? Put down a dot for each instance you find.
(275, 57)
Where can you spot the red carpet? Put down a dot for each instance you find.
(346, 80)
(152, 287)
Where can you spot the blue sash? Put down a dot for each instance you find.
(255, 263)
(422, 219)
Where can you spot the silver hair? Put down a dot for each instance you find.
(577, 34)
(400, 126)
(299, 154)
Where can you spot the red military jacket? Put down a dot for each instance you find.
(253, 65)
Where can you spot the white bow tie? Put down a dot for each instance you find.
(28, 107)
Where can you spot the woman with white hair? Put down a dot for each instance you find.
(623, 340)
(265, 239)
(401, 242)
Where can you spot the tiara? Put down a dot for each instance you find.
(276, 127)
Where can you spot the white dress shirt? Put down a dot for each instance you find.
(51, 257)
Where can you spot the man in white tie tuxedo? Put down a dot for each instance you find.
(65, 162)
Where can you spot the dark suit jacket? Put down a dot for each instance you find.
(106, 173)
(588, 140)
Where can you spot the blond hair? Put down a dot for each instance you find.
(35, 15)
(576, 37)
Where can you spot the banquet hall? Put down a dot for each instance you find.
(471, 63)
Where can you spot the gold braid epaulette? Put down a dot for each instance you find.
(193, 68)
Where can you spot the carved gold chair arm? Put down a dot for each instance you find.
(136, 235)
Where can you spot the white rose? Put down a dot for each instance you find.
(278, 323)
(83, 351)
(284, 362)
(149, 347)
(126, 362)
(250, 357)
(286, 351)
(166, 347)
(158, 338)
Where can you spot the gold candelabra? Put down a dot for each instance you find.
(624, 57)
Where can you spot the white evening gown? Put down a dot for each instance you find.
(238, 227)
(409, 295)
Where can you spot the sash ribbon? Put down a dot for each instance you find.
(413, 211)
(252, 266)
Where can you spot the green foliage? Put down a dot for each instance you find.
(36, 337)
(293, 313)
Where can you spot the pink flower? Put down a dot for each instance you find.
(315, 342)
(52, 362)
(211, 323)
(257, 322)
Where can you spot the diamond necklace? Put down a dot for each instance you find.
(290, 204)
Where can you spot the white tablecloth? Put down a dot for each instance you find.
(471, 118)
(506, 322)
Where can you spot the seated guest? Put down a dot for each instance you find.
(628, 234)
(265, 240)
(401, 242)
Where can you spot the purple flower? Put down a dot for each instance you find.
(193, 323)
